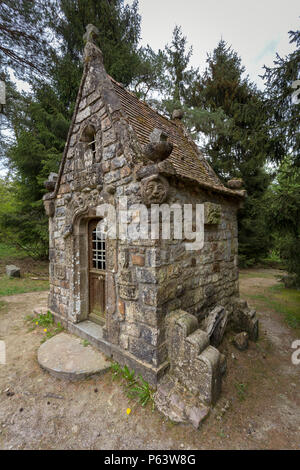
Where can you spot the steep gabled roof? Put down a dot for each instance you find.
(186, 158)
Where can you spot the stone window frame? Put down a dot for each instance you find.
(88, 137)
(99, 248)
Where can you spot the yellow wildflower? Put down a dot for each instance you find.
(45, 330)
(128, 411)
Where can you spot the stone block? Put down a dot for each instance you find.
(174, 402)
(149, 295)
(241, 340)
(244, 319)
(148, 334)
(138, 260)
(121, 308)
(110, 294)
(212, 213)
(129, 292)
(144, 314)
(13, 271)
(60, 271)
(142, 350)
(145, 275)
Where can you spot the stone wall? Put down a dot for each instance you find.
(145, 279)
(194, 380)
(86, 182)
(197, 280)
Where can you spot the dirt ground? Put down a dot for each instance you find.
(40, 412)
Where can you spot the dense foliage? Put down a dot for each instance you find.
(283, 202)
(283, 95)
(40, 119)
(244, 132)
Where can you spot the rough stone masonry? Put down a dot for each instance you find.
(166, 309)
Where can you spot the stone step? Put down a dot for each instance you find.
(65, 357)
(93, 333)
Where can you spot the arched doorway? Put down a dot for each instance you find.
(97, 271)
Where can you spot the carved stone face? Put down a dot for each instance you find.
(154, 190)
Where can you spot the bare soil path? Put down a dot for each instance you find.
(38, 411)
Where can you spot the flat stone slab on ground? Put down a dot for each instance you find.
(65, 357)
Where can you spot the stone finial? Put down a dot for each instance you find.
(91, 50)
(177, 114)
(51, 182)
(159, 148)
(236, 183)
(91, 34)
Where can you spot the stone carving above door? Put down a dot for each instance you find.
(79, 204)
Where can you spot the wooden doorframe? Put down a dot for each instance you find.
(96, 277)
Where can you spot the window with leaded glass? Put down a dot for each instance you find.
(98, 249)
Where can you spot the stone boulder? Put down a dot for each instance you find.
(241, 341)
(13, 271)
(244, 318)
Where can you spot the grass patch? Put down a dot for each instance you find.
(135, 387)
(14, 285)
(45, 322)
(256, 274)
(284, 301)
(257, 297)
(241, 389)
(9, 251)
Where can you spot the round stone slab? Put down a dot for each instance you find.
(65, 357)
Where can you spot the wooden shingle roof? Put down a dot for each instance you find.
(186, 158)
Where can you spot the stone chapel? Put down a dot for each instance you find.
(151, 304)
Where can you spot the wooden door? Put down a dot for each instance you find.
(97, 272)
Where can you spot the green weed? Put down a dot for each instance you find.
(136, 387)
(47, 323)
(241, 389)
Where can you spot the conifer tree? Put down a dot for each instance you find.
(40, 129)
(230, 112)
(22, 38)
(283, 202)
(283, 92)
